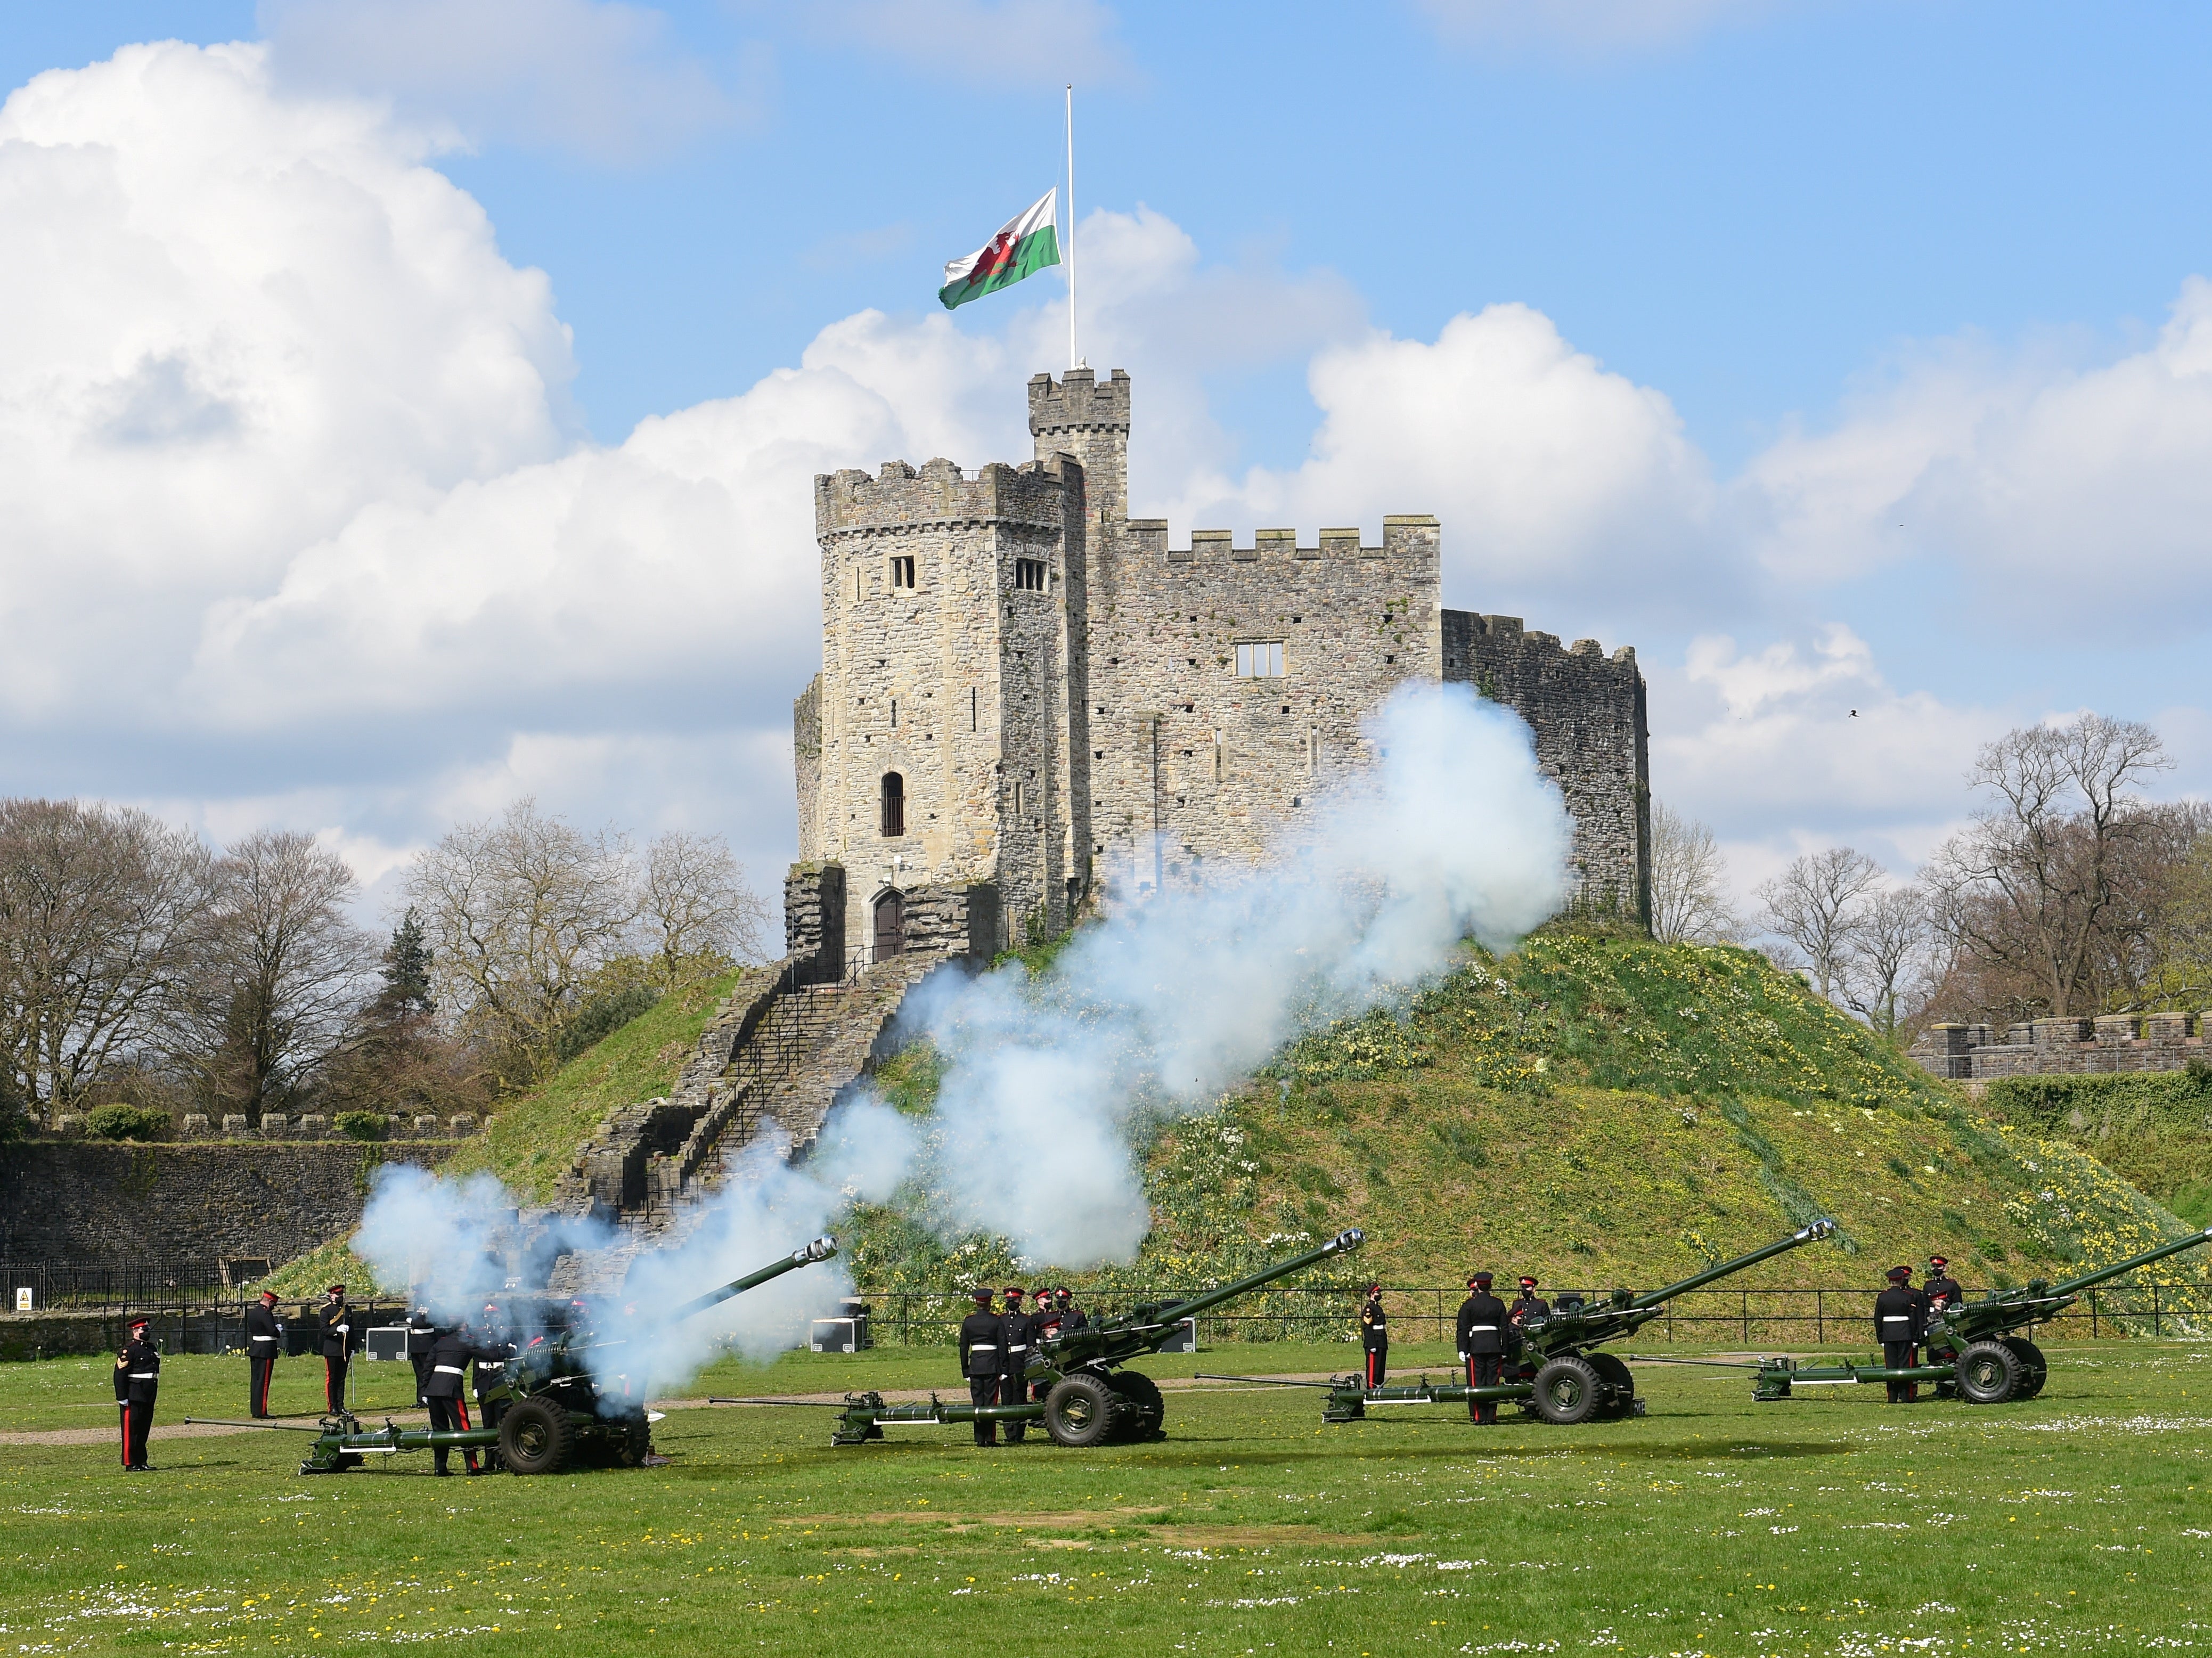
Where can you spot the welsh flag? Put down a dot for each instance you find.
(1023, 247)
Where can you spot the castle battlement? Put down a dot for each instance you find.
(900, 498)
(1413, 536)
(1078, 402)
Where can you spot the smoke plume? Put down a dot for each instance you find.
(1452, 831)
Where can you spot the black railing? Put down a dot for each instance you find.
(1750, 1318)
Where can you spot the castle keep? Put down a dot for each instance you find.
(1025, 692)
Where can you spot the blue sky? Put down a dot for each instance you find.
(1860, 318)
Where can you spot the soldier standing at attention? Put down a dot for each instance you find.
(1897, 1325)
(137, 1380)
(493, 1349)
(1016, 1331)
(1525, 1305)
(1482, 1327)
(265, 1342)
(979, 1362)
(1375, 1336)
(422, 1334)
(450, 1353)
(1071, 1317)
(1939, 1286)
(338, 1348)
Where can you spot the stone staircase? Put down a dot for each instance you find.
(772, 1064)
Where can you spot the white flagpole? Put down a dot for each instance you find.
(1073, 359)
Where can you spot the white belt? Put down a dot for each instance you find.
(260, 1341)
(1897, 1318)
(982, 1346)
(449, 1370)
(1473, 1328)
(142, 1375)
(1020, 1347)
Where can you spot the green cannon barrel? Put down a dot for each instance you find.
(2073, 1285)
(1819, 1229)
(1174, 1312)
(821, 1250)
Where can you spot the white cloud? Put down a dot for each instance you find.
(988, 42)
(592, 78)
(235, 320)
(1556, 479)
(1587, 25)
(2075, 500)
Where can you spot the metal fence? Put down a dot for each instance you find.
(1750, 1319)
(147, 1286)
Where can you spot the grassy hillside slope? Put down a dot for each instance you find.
(534, 1135)
(1599, 1111)
(2154, 1129)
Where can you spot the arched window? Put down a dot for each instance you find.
(894, 803)
(890, 925)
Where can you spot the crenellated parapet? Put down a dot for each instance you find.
(1413, 540)
(900, 498)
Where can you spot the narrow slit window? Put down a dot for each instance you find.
(903, 572)
(975, 710)
(1029, 575)
(894, 805)
(1260, 660)
(1019, 797)
(893, 714)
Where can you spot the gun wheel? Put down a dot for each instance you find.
(1079, 1411)
(1142, 1395)
(1567, 1392)
(2035, 1370)
(1989, 1374)
(535, 1438)
(1620, 1385)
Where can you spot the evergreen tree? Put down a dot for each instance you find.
(407, 969)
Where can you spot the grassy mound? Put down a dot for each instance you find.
(1595, 1111)
(536, 1133)
(2155, 1129)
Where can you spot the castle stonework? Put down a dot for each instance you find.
(1025, 692)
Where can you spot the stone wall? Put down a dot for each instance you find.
(1191, 763)
(104, 1203)
(2062, 1047)
(1587, 712)
(814, 921)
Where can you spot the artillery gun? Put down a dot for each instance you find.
(558, 1411)
(1088, 1399)
(1974, 1352)
(1559, 1377)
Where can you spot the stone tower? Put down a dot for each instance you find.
(936, 749)
(1025, 691)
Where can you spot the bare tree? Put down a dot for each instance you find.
(2063, 866)
(517, 914)
(280, 973)
(1816, 905)
(1689, 881)
(1886, 961)
(100, 908)
(698, 905)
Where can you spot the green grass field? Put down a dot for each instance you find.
(1829, 1524)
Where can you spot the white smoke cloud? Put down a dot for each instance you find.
(1166, 1003)
(439, 1239)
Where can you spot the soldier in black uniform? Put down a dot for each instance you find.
(137, 1380)
(1071, 1317)
(264, 1343)
(422, 1333)
(1482, 1330)
(1525, 1305)
(450, 1353)
(1375, 1336)
(1017, 1331)
(338, 1348)
(1897, 1313)
(1939, 1286)
(979, 1362)
(493, 1348)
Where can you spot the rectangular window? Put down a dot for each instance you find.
(893, 714)
(1029, 575)
(972, 710)
(1260, 659)
(1017, 797)
(903, 572)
